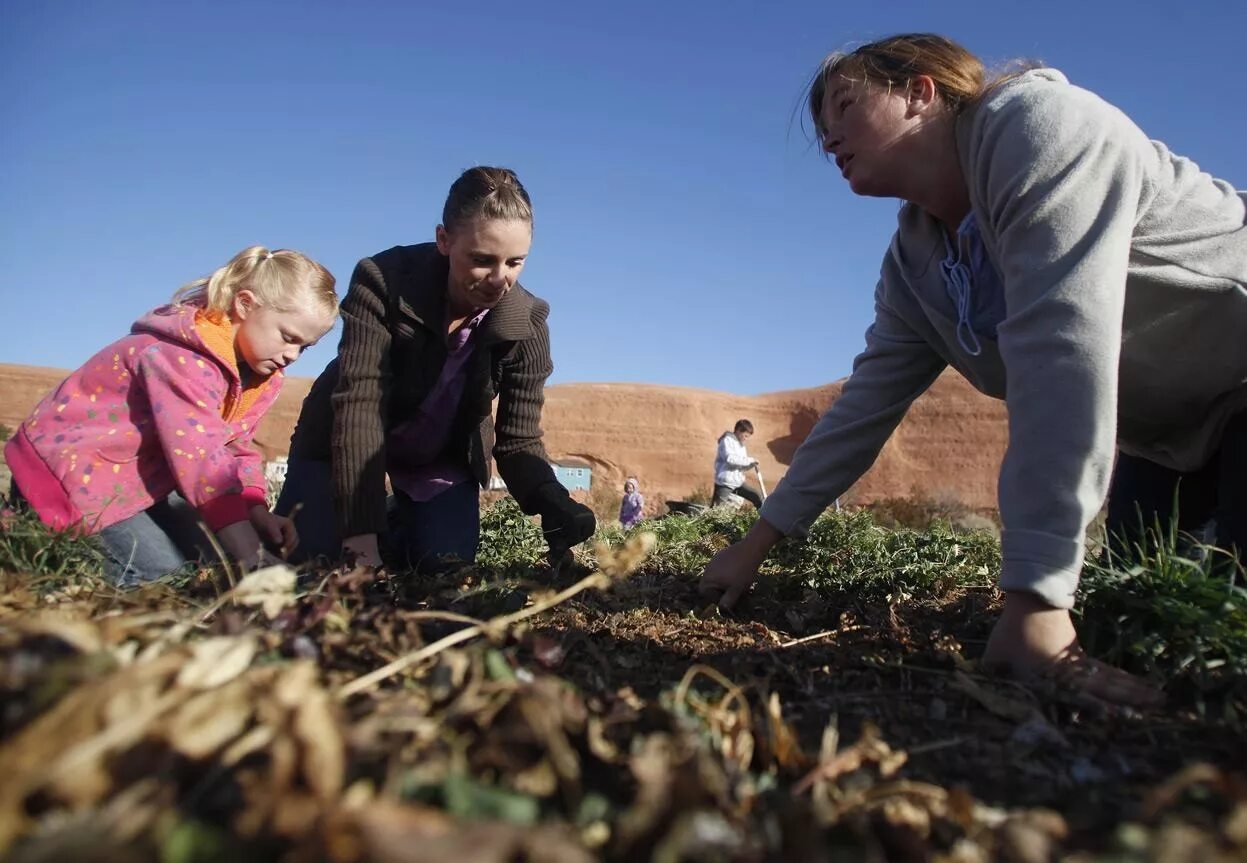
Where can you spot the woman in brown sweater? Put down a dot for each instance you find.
(432, 334)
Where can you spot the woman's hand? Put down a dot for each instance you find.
(731, 572)
(1032, 638)
(276, 531)
(363, 548)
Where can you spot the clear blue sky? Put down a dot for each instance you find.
(686, 232)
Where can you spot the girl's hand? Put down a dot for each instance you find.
(1034, 639)
(242, 543)
(275, 530)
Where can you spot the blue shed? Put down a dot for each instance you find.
(573, 473)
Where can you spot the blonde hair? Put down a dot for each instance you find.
(486, 193)
(960, 77)
(282, 279)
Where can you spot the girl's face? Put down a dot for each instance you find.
(267, 339)
(486, 256)
(869, 128)
(629, 487)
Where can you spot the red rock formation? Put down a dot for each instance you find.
(948, 447)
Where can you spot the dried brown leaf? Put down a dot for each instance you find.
(207, 721)
(82, 635)
(216, 661)
(295, 683)
(324, 755)
(270, 588)
(256, 739)
(904, 812)
(784, 746)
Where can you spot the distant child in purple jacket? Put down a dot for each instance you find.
(153, 435)
(633, 503)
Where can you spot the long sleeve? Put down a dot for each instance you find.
(1059, 174)
(519, 451)
(360, 402)
(896, 367)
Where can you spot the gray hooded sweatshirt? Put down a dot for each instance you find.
(1123, 270)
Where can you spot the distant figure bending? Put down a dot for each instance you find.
(730, 464)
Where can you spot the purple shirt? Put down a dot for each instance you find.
(414, 449)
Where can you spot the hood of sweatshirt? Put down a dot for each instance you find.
(204, 331)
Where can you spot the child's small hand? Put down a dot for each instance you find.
(275, 530)
(242, 543)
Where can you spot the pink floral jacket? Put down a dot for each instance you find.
(161, 410)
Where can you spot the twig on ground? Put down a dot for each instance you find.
(498, 624)
(816, 636)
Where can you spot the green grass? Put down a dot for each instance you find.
(52, 559)
(1175, 610)
(844, 551)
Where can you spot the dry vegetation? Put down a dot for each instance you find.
(507, 713)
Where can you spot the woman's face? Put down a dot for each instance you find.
(486, 256)
(869, 129)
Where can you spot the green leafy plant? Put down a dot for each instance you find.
(1172, 608)
(510, 540)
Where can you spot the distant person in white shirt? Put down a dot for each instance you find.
(730, 464)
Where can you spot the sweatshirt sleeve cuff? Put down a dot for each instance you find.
(1043, 564)
(231, 508)
(788, 513)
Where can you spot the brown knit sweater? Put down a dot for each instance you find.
(392, 351)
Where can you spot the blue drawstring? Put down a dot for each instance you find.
(958, 283)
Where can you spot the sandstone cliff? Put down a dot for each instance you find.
(948, 447)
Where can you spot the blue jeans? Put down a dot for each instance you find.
(158, 541)
(426, 536)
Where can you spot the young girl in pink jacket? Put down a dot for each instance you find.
(152, 437)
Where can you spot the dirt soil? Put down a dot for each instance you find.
(896, 667)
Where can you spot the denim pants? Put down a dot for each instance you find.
(1218, 491)
(158, 541)
(722, 494)
(426, 536)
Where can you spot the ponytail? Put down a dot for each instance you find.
(279, 279)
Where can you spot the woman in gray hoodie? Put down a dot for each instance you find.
(1060, 261)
